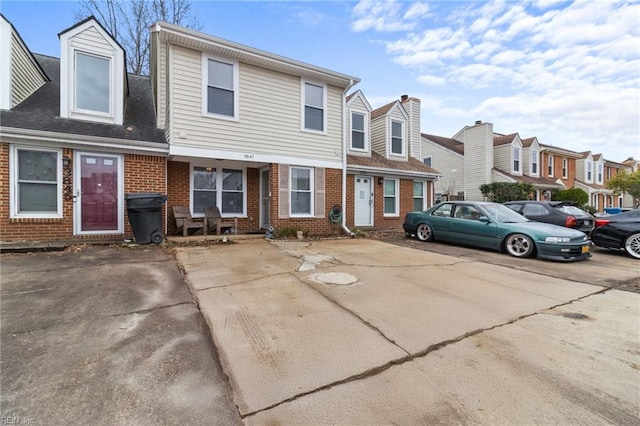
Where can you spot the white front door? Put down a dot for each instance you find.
(364, 201)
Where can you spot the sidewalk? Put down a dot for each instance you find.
(363, 332)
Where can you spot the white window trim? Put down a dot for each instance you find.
(403, 154)
(312, 190)
(430, 160)
(13, 179)
(396, 212)
(366, 131)
(205, 85)
(599, 173)
(218, 166)
(424, 194)
(513, 160)
(303, 82)
(565, 168)
(588, 170)
(535, 160)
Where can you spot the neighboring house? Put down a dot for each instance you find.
(592, 174)
(559, 164)
(386, 177)
(76, 134)
(476, 155)
(256, 134)
(632, 165)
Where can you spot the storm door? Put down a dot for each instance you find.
(99, 197)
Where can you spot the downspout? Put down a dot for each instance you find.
(344, 159)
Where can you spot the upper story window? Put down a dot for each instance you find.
(221, 97)
(92, 83)
(358, 134)
(599, 173)
(397, 139)
(589, 174)
(565, 168)
(517, 152)
(427, 161)
(314, 100)
(550, 166)
(609, 172)
(534, 161)
(36, 182)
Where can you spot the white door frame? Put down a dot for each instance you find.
(356, 195)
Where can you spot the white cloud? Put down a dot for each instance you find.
(386, 16)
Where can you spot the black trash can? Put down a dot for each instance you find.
(145, 216)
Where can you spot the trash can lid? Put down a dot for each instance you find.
(135, 195)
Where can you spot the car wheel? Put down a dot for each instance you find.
(632, 245)
(424, 232)
(519, 245)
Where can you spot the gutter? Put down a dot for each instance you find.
(344, 158)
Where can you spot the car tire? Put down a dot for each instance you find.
(519, 245)
(632, 245)
(424, 232)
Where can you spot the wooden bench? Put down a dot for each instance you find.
(185, 221)
(215, 220)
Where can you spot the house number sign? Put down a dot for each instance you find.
(248, 156)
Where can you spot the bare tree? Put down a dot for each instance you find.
(128, 22)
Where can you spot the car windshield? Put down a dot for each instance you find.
(503, 214)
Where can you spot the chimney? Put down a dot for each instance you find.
(404, 98)
(478, 122)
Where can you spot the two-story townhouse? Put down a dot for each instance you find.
(558, 164)
(256, 134)
(590, 177)
(632, 166)
(385, 175)
(611, 170)
(76, 134)
(476, 156)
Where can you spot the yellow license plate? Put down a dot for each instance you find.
(585, 249)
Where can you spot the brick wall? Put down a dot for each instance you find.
(142, 173)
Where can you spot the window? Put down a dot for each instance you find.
(589, 171)
(390, 197)
(418, 196)
(534, 161)
(565, 168)
(396, 138)
(357, 131)
(427, 161)
(204, 189)
(301, 191)
(314, 106)
(221, 90)
(534, 210)
(92, 83)
(229, 199)
(599, 175)
(550, 166)
(37, 176)
(516, 159)
(443, 211)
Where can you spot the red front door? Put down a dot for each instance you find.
(99, 193)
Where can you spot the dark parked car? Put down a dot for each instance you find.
(557, 212)
(494, 226)
(619, 232)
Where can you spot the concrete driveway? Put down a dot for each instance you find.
(364, 332)
(104, 336)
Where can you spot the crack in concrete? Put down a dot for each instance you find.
(241, 282)
(410, 357)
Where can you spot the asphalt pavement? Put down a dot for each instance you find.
(106, 335)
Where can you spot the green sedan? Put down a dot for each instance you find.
(497, 227)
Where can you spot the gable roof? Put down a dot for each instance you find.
(504, 139)
(378, 112)
(358, 94)
(529, 141)
(538, 182)
(448, 143)
(41, 111)
(560, 151)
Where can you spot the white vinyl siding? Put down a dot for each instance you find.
(269, 111)
(25, 75)
(449, 163)
(478, 159)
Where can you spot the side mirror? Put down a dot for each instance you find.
(484, 219)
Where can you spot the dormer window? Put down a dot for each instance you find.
(397, 140)
(93, 81)
(534, 161)
(550, 166)
(92, 84)
(516, 159)
(599, 173)
(358, 132)
(589, 171)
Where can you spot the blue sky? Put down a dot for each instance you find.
(565, 72)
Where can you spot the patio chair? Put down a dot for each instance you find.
(184, 220)
(215, 220)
